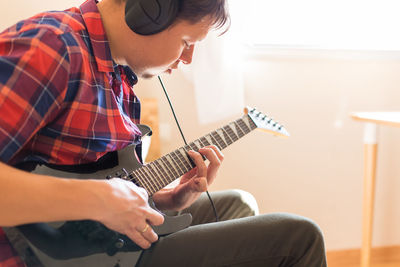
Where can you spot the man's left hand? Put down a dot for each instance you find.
(192, 183)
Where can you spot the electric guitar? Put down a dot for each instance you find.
(89, 243)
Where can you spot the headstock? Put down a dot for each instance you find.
(266, 123)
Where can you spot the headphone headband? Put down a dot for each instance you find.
(148, 17)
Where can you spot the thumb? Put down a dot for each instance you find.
(199, 184)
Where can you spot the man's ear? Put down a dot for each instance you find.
(148, 17)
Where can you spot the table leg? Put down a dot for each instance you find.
(370, 153)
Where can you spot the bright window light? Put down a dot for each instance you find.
(324, 24)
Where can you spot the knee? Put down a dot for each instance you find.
(309, 227)
(303, 229)
(245, 202)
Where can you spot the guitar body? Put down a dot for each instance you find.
(89, 243)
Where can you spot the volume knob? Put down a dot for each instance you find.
(119, 243)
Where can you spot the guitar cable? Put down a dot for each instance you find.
(184, 140)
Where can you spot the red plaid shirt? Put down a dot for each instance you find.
(62, 99)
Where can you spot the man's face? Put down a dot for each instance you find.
(162, 52)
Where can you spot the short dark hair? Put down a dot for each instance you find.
(195, 10)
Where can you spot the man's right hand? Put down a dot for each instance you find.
(118, 204)
(125, 209)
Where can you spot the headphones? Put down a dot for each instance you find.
(148, 17)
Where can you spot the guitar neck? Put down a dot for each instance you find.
(161, 172)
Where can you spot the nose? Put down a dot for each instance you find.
(187, 54)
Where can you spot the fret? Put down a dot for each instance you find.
(244, 126)
(187, 147)
(146, 179)
(172, 164)
(191, 162)
(183, 160)
(226, 137)
(198, 145)
(232, 128)
(209, 140)
(185, 157)
(149, 175)
(135, 179)
(238, 129)
(213, 141)
(230, 132)
(148, 183)
(168, 178)
(155, 172)
(178, 163)
(158, 181)
(159, 169)
(201, 144)
(166, 163)
(193, 146)
(159, 164)
(222, 137)
(154, 187)
(252, 124)
(140, 178)
(219, 140)
(204, 141)
(246, 122)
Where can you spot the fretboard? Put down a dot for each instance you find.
(161, 172)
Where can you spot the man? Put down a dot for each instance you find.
(66, 98)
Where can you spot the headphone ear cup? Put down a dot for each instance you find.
(147, 17)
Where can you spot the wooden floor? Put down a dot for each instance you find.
(381, 257)
(388, 264)
(384, 264)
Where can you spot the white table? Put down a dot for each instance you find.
(372, 121)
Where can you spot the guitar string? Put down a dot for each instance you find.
(176, 156)
(218, 141)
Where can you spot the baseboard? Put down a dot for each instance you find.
(338, 258)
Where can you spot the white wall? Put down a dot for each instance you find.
(317, 172)
(11, 11)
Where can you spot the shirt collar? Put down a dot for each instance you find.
(94, 25)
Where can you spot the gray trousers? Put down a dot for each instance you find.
(240, 238)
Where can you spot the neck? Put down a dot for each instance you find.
(112, 15)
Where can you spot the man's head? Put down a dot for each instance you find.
(147, 17)
(161, 51)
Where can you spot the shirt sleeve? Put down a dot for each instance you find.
(34, 71)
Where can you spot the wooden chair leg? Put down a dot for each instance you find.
(370, 155)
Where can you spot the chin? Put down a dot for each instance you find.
(147, 76)
(151, 75)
